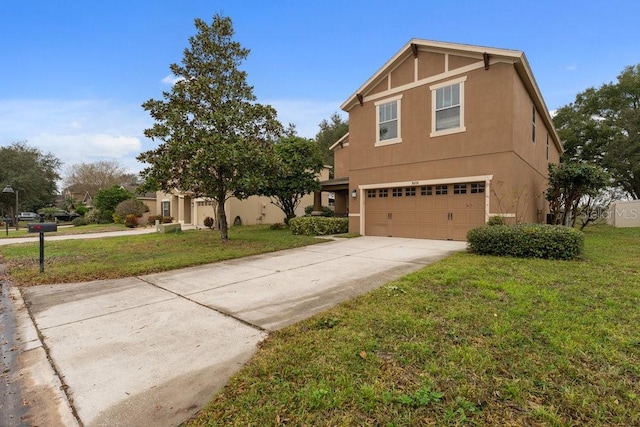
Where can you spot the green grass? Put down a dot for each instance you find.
(114, 257)
(63, 229)
(470, 340)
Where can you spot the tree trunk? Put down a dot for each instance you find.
(222, 217)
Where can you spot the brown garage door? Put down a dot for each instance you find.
(428, 212)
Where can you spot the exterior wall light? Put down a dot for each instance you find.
(354, 193)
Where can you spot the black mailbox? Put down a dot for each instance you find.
(42, 227)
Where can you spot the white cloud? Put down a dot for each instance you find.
(170, 79)
(77, 131)
(305, 114)
(91, 130)
(571, 67)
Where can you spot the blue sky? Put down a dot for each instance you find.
(75, 72)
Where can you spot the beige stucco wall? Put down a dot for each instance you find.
(497, 141)
(341, 161)
(253, 210)
(624, 214)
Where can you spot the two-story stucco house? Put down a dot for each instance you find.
(441, 138)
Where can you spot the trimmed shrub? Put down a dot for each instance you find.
(78, 222)
(208, 222)
(128, 207)
(318, 225)
(526, 241)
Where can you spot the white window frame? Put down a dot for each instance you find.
(166, 203)
(398, 100)
(459, 81)
(533, 124)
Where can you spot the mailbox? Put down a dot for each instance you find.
(42, 227)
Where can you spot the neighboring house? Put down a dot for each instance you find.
(442, 137)
(85, 198)
(149, 199)
(254, 210)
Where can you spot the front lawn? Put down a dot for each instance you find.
(114, 257)
(64, 228)
(475, 340)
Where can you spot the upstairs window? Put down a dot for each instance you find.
(448, 107)
(388, 121)
(547, 146)
(533, 124)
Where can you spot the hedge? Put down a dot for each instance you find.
(318, 225)
(526, 241)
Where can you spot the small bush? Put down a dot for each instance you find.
(79, 222)
(131, 221)
(92, 216)
(318, 225)
(128, 207)
(526, 241)
(208, 222)
(496, 220)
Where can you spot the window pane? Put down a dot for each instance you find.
(447, 119)
(388, 111)
(389, 130)
(447, 96)
(455, 94)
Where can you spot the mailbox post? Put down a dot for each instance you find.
(41, 228)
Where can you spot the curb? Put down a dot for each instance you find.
(40, 385)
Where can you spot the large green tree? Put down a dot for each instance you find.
(213, 133)
(331, 131)
(569, 184)
(297, 162)
(32, 173)
(602, 126)
(108, 199)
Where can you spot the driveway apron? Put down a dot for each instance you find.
(153, 349)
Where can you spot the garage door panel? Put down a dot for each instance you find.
(433, 216)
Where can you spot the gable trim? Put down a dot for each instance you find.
(343, 141)
(429, 80)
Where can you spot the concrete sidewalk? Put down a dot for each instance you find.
(152, 350)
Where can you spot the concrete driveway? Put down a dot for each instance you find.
(152, 350)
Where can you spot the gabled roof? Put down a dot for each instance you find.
(516, 57)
